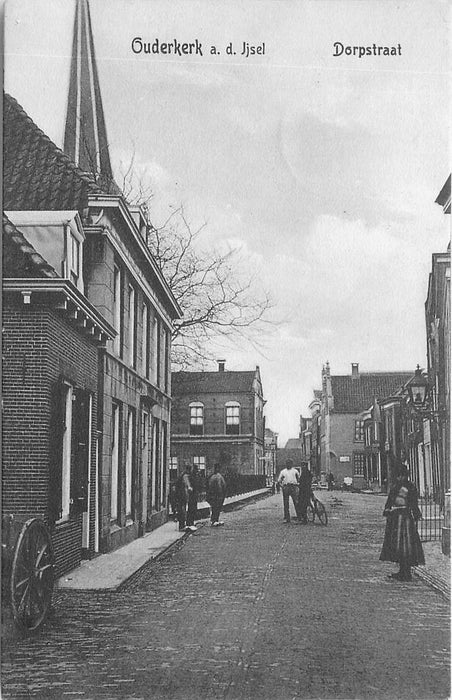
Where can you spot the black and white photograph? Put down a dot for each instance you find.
(226, 350)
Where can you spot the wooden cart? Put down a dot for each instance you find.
(28, 565)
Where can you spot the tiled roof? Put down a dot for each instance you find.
(211, 382)
(20, 259)
(36, 173)
(355, 394)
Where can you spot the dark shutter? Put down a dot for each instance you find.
(80, 451)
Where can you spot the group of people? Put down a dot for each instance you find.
(298, 487)
(186, 493)
(401, 542)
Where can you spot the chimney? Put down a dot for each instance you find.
(355, 370)
(221, 364)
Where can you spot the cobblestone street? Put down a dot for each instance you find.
(256, 609)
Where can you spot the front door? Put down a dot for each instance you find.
(81, 459)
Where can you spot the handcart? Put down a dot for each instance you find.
(28, 570)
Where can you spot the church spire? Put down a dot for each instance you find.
(85, 135)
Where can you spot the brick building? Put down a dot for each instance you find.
(343, 400)
(51, 337)
(218, 417)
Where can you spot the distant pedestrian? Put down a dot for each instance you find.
(192, 509)
(216, 493)
(288, 479)
(183, 490)
(304, 493)
(330, 481)
(401, 541)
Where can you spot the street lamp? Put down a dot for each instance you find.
(418, 389)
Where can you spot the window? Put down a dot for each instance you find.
(117, 309)
(358, 464)
(145, 341)
(173, 468)
(73, 264)
(67, 443)
(200, 462)
(359, 430)
(129, 460)
(166, 358)
(115, 437)
(232, 418)
(74, 267)
(132, 327)
(196, 418)
(159, 350)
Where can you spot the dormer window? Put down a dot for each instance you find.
(58, 237)
(232, 409)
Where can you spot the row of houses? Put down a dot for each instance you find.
(362, 425)
(87, 325)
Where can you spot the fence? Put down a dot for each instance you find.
(430, 527)
(237, 484)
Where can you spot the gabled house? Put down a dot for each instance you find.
(52, 339)
(217, 417)
(343, 400)
(106, 259)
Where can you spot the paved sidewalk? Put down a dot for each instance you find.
(109, 571)
(437, 570)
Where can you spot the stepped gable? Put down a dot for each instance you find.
(355, 394)
(212, 382)
(20, 259)
(37, 175)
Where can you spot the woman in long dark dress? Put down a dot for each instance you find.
(401, 541)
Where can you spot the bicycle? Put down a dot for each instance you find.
(316, 507)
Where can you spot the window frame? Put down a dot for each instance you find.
(228, 424)
(359, 430)
(196, 409)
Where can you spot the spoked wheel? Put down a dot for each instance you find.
(321, 512)
(32, 573)
(310, 512)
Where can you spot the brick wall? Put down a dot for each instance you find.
(214, 412)
(41, 347)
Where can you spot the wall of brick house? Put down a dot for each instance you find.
(214, 413)
(99, 280)
(342, 443)
(126, 387)
(234, 455)
(41, 347)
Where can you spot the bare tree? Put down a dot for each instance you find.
(220, 299)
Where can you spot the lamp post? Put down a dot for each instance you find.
(420, 406)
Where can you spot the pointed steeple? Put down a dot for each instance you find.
(85, 136)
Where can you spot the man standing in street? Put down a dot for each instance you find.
(304, 496)
(192, 511)
(216, 492)
(288, 479)
(183, 491)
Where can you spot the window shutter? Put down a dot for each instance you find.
(79, 451)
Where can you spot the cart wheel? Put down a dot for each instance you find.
(310, 513)
(321, 512)
(32, 574)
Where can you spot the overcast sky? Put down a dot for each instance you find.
(323, 169)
